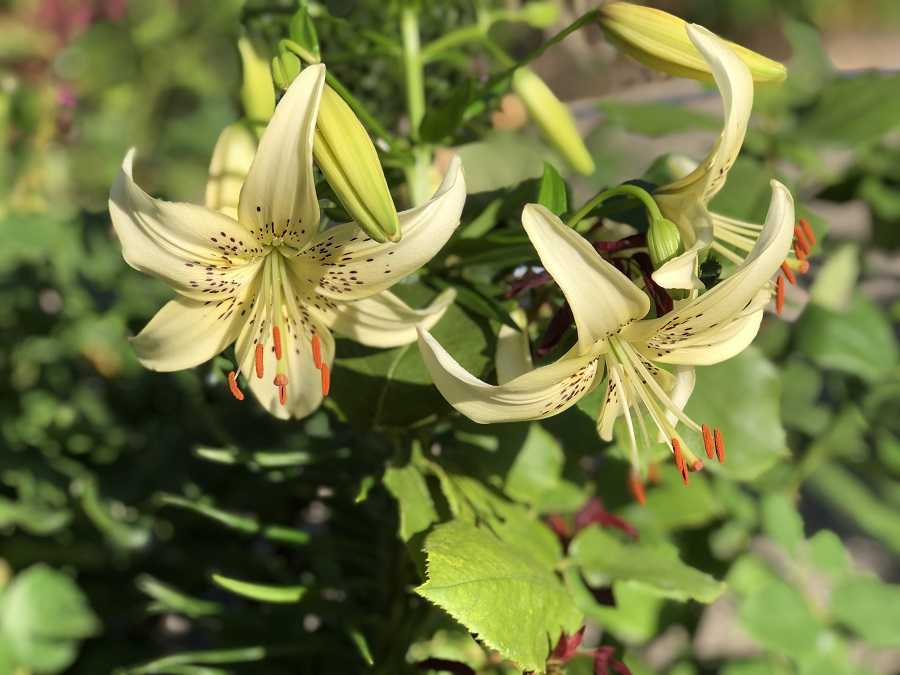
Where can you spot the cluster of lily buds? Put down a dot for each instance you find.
(659, 40)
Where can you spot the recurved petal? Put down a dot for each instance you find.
(679, 391)
(279, 194)
(736, 88)
(200, 253)
(384, 320)
(714, 345)
(540, 393)
(344, 264)
(603, 300)
(681, 271)
(186, 333)
(228, 167)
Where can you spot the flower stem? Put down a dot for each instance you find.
(632, 191)
(417, 173)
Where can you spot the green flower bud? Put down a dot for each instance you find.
(347, 157)
(257, 91)
(659, 40)
(554, 119)
(285, 67)
(540, 14)
(663, 241)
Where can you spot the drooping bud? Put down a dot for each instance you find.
(347, 157)
(257, 91)
(285, 67)
(663, 241)
(660, 41)
(553, 118)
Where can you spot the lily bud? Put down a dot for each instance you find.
(663, 241)
(257, 91)
(285, 67)
(554, 119)
(347, 157)
(540, 14)
(659, 40)
(231, 160)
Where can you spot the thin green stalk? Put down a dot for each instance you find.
(626, 190)
(417, 174)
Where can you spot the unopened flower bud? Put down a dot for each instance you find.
(347, 157)
(554, 119)
(540, 14)
(257, 91)
(660, 41)
(230, 163)
(663, 241)
(285, 67)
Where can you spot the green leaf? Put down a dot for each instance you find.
(261, 592)
(170, 599)
(870, 608)
(741, 396)
(475, 301)
(859, 341)
(362, 645)
(826, 552)
(782, 522)
(836, 279)
(635, 616)
(303, 30)
(670, 507)
(513, 602)
(441, 121)
(655, 567)
(537, 468)
(778, 617)
(552, 190)
(44, 615)
(657, 119)
(407, 485)
(171, 664)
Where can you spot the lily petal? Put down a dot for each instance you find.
(349, 265)
(384, 320)
(228, 167)
(200, 253)
(186, 333)
(715, 344)
(513, 355)
(603, 300)
(735, 85)
(279, 194)
(680, 392)
(681, 271)
(540, 393)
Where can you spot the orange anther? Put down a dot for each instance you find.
(803, 267)
(282, 394)
(697, 465)
(788, 272)
(708, 441)
(637, 488)
(720, 445)
(808, 231)
(233, 386)
(326, 379)
(276, 338)
(779, 295)
(259, 359)
(799, 251)
(679, 460)
(280, 380)
(800, 238)
(317, 351)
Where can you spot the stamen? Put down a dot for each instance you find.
(679, 460)
(697, 465)
(326, 379)
(317, 351)
(276, 338)
(779, 295)
(282, 394)
(653, 473)
(233, 386)
(280, 380)
(720, 445)
(259, 359)
(800, 236)
(788, 272)
(799, 251)
(803, 267)
(708, 442)
(637, 488)
(808, 231)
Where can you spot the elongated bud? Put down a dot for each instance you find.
(660, 41)
(540, 14)
(663, 241)
(285, 67)
(257, 91)
(347, 157)
(230, 163)
(554, 119)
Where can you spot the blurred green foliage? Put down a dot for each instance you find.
(152, 519)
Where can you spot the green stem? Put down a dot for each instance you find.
(627, 190)
(417, 174)
(451, 40)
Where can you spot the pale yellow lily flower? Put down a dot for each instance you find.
(256, 271)
(613, 334)
(686, 201)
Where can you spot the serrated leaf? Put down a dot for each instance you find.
(260, 592)
(656, 567)
(552, 190)
(513, 602)
(407, 485)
